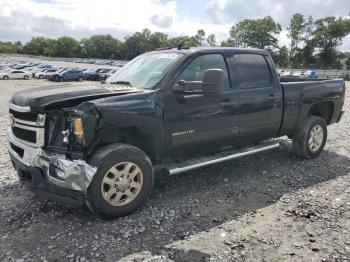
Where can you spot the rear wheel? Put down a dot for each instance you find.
(80, 79)
(123, 180)
(41, 76)
(26, 77)
(311, 138)
(5, 78)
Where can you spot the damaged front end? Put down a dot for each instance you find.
(58, 166)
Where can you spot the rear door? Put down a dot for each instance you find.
(260, 98)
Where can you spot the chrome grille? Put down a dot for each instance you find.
(26, 116)
(27, 126)
(24, 134)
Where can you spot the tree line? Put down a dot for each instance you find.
(313, 43)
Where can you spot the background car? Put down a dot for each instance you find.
(297, 74)
(46, 73)
(69, 75)
(110, 73)
(311, 74)
(102, 75)
(93, 74)
(15, 74)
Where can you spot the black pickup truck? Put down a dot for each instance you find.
(172, 110)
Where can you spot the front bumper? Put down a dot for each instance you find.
(48, 174)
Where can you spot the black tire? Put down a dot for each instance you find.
(26, 77)
(80, 79)
(104, 159)
(301, 139)
(6, 78)
(60, 79)
(41, 76)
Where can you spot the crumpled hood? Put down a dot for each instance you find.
(40, 98)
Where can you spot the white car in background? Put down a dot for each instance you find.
(37, 70)
(14, 74)
(297, 74)
(285, 73)
(51, 72)
(46, 73)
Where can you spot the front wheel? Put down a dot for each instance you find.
(5, 78)
(80, 79)
(122, 182)
(311, 138)
(26, 77)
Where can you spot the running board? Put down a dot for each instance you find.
(221, 157)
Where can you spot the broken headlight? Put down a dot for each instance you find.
(75, 133)
(78, 130)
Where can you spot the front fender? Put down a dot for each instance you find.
(135, 119)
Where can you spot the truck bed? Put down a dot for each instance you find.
(300, 95)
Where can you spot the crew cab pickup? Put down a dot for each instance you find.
(169, 110)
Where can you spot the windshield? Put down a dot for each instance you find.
(145, 71)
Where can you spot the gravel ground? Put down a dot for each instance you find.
(266, 207)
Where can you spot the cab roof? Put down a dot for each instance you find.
(206, 49)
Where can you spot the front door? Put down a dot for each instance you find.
(197, 123)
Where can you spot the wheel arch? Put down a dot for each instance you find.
(128, 137)
(324, 110)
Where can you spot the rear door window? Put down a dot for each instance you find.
(253, 71)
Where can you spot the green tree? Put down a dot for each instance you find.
(138, 43)
(308, 59)
(37, 45)
(328, 35)
(281, 57)
(185, 41)
(158, 39)
(211, 40)
(200, 37)
(10, 48)
(66, 46)
(229, 43)
(347, 63)
(296, 31)
(101, 46)
(50, 48)
(259, 33)
(144, 41)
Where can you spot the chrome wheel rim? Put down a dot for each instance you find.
(122, 183)
(316, 138)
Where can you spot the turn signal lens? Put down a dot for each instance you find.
(78, 130)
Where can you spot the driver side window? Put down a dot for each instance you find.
(195, 70)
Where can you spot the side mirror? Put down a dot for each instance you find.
(180, 86)
(213, 82)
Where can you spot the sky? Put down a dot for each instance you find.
(23, 19)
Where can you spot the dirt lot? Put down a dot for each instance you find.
(267, 207)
